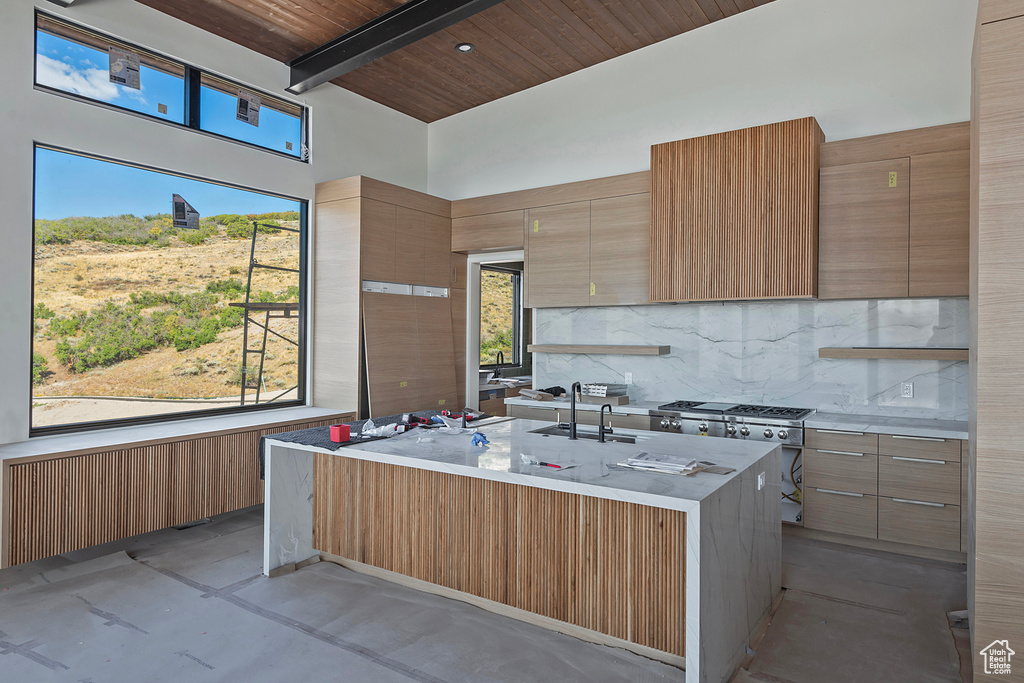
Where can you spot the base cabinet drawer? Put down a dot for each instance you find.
(933, 481)
(841, 512)
(919, 447)
(841, 470)
(835, 440)
(933, 525)
(620, 420)
(531, 413)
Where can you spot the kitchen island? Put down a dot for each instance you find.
(680, 568)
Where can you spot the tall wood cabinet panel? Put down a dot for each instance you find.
(488, 232)
(558, 255)
(371, 230)
(940, 196)
(410, 236)
(995, 542)
(378, 240)
(436, 250)
(733, 212)
(864, 230)
(620, 244)
(336, 281)
(457, 301)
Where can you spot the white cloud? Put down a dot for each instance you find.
(94, 83)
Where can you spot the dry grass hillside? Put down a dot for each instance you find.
(85, 276)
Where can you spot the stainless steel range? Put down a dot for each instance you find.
(732, 421)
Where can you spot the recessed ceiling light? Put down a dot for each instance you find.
(464, 47)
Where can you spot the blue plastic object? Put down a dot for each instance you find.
(479, 439)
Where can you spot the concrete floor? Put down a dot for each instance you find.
(853, 615)
(191, 605)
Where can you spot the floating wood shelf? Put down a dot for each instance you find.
(894, 353)
(599, 349)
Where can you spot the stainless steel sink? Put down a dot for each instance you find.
(563, 430)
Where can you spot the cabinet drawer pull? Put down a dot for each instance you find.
(841, 493)
(924, 460)
(919, 502)
(919, 438)
(833, 431)
(822, 450)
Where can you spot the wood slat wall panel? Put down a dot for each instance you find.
(69, 503)
(734, 215)
(612, 567)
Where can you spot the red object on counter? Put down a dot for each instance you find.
(341, 433)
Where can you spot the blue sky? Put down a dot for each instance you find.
(70, 185)
(73, 67)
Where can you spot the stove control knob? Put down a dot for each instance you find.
(744, 431)
(665, 423)
(677, 425)
(730, 430)
(783, 434)
(703, 428)
(767, 433)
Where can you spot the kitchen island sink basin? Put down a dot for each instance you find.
(563, 430)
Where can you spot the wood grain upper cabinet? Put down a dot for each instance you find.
(620, 245)
(734, 215)
(377, 241)
(488, 232)
(940, 197)
(558, 255)
(436, 249)
(864, 230)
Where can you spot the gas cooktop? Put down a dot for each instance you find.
(738, 409)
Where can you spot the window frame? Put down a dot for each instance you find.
(191, 88)
(303, 338)
(517, 317)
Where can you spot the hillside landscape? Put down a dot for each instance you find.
(131, 307)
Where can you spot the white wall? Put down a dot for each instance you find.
(860, 66)
(350, 135)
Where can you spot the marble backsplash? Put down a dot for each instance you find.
(768, 353)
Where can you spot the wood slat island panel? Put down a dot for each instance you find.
(60, 504)
(609, 566)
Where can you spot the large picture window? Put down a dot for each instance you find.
(89, 65)
(157, 295)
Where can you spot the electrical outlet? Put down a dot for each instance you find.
(760, 481)
(907, 390)
(629, 378)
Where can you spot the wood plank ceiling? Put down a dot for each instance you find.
(519, 43)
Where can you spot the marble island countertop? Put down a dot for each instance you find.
(509, 440)
(878, 424)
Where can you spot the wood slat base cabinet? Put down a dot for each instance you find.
(612, 567)
(894, 215)
(734, 215)
(58, 504)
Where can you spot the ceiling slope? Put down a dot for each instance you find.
(518, 44)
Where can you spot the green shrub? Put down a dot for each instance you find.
(39, 371)
(43, 312)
